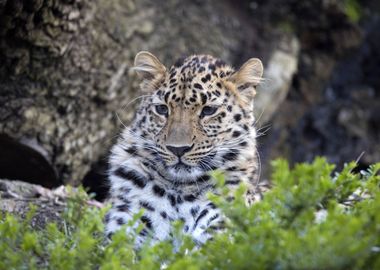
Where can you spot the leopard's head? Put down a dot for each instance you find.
(199, 113)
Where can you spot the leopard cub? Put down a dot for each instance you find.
(197, 117)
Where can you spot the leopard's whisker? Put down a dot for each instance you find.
(135, 99)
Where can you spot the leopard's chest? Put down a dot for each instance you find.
(161, 206)
(137, 188)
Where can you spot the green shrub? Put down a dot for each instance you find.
(309, 220)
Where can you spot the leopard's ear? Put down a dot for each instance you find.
(148, 66)
(248, 77)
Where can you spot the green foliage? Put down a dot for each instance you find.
(286, 26)
(353, 10)
(309, 220)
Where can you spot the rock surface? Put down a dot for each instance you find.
(279, 72)
(17, 197)
(333, 106)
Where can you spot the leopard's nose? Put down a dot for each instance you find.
(179, 150)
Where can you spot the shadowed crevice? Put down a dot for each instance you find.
(96, 182)
(19, 161)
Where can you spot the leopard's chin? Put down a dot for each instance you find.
(184, 173)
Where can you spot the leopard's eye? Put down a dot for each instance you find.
(162, 109)
(208, 110)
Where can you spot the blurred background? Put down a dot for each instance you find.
(65, 83)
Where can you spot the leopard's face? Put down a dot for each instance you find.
(197, 118)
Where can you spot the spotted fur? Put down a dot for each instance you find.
(197, 117)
